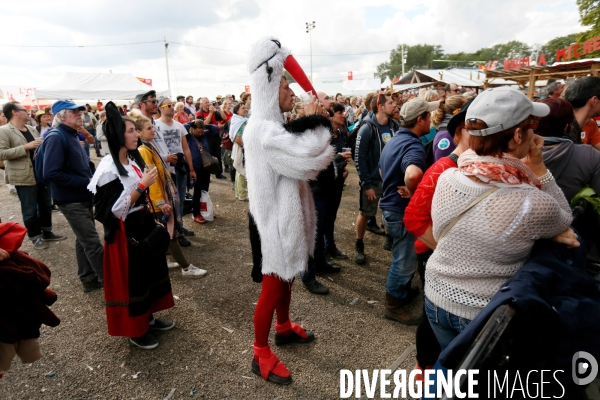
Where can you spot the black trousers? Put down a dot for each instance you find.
(215, 150)
(201, 183)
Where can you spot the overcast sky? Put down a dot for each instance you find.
(342, 27)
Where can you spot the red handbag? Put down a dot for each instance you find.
(226, 142)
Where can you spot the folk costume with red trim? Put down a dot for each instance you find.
(136, 282)
(280, 159)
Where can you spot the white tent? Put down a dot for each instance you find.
(360, 88)
(331, 88)
(80, 85)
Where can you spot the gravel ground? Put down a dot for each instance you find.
(208, 353)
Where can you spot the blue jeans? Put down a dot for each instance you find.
(446, 326)
(319, 258)
(404, 256)
(36, 209)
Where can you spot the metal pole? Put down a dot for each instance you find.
(311, 75)
(309, 28)
(167, 61)
(403, 60)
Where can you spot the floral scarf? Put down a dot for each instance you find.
(505, 171)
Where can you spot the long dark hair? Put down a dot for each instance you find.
(114, 130)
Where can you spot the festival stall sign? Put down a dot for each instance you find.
(578, 49)
(22, 95)
(15, 93)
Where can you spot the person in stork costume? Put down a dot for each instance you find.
(280, 159)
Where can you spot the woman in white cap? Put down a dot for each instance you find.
(488, 212)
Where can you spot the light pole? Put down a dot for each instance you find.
(167, 60)
(404, 55)
(309, 27)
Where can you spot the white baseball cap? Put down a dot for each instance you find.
(502, 108)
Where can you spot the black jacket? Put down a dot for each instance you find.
(557, 315)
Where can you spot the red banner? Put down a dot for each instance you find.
(146, 81)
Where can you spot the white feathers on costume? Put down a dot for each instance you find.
(278, 167)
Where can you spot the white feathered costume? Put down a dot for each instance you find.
(279, 164)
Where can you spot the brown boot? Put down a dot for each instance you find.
(398, 311)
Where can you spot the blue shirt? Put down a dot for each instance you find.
(403, 149)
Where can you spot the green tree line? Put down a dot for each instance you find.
(433, 56)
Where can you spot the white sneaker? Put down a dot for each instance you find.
(172, 264)
(193, 272)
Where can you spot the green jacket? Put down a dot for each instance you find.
(19, 168)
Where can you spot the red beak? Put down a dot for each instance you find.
(296, 71)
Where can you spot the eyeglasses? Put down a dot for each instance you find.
(22, 109)
(166, 106)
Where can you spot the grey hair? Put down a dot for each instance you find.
(553, 87)
(57, 121)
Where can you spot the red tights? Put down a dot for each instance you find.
(274, 296)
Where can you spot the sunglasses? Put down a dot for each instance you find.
(166, 106)
(533, 125)
(151, 101)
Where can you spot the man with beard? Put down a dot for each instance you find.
(377, 129)
(402, 165)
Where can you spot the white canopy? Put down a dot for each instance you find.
(82, 85)
(360, 88)
(331, 88)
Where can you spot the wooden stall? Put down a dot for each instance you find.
(529, 75)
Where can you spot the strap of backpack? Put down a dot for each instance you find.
(459, 216)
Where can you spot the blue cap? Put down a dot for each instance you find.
(60, 105)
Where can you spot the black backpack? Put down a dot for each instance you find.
(429, 156)
(351, 140)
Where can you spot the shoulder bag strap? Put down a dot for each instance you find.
(197, 144)
(459, 216)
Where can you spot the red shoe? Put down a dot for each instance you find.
(199, 219)
(290, 332)
(266, 364)
(421, 375)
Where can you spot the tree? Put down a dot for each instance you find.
(589, 13)
(288, 77)
(550, 47)
(418, 56)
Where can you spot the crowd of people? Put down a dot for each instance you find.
(464, 183)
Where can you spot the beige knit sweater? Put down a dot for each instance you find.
(490, 242)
